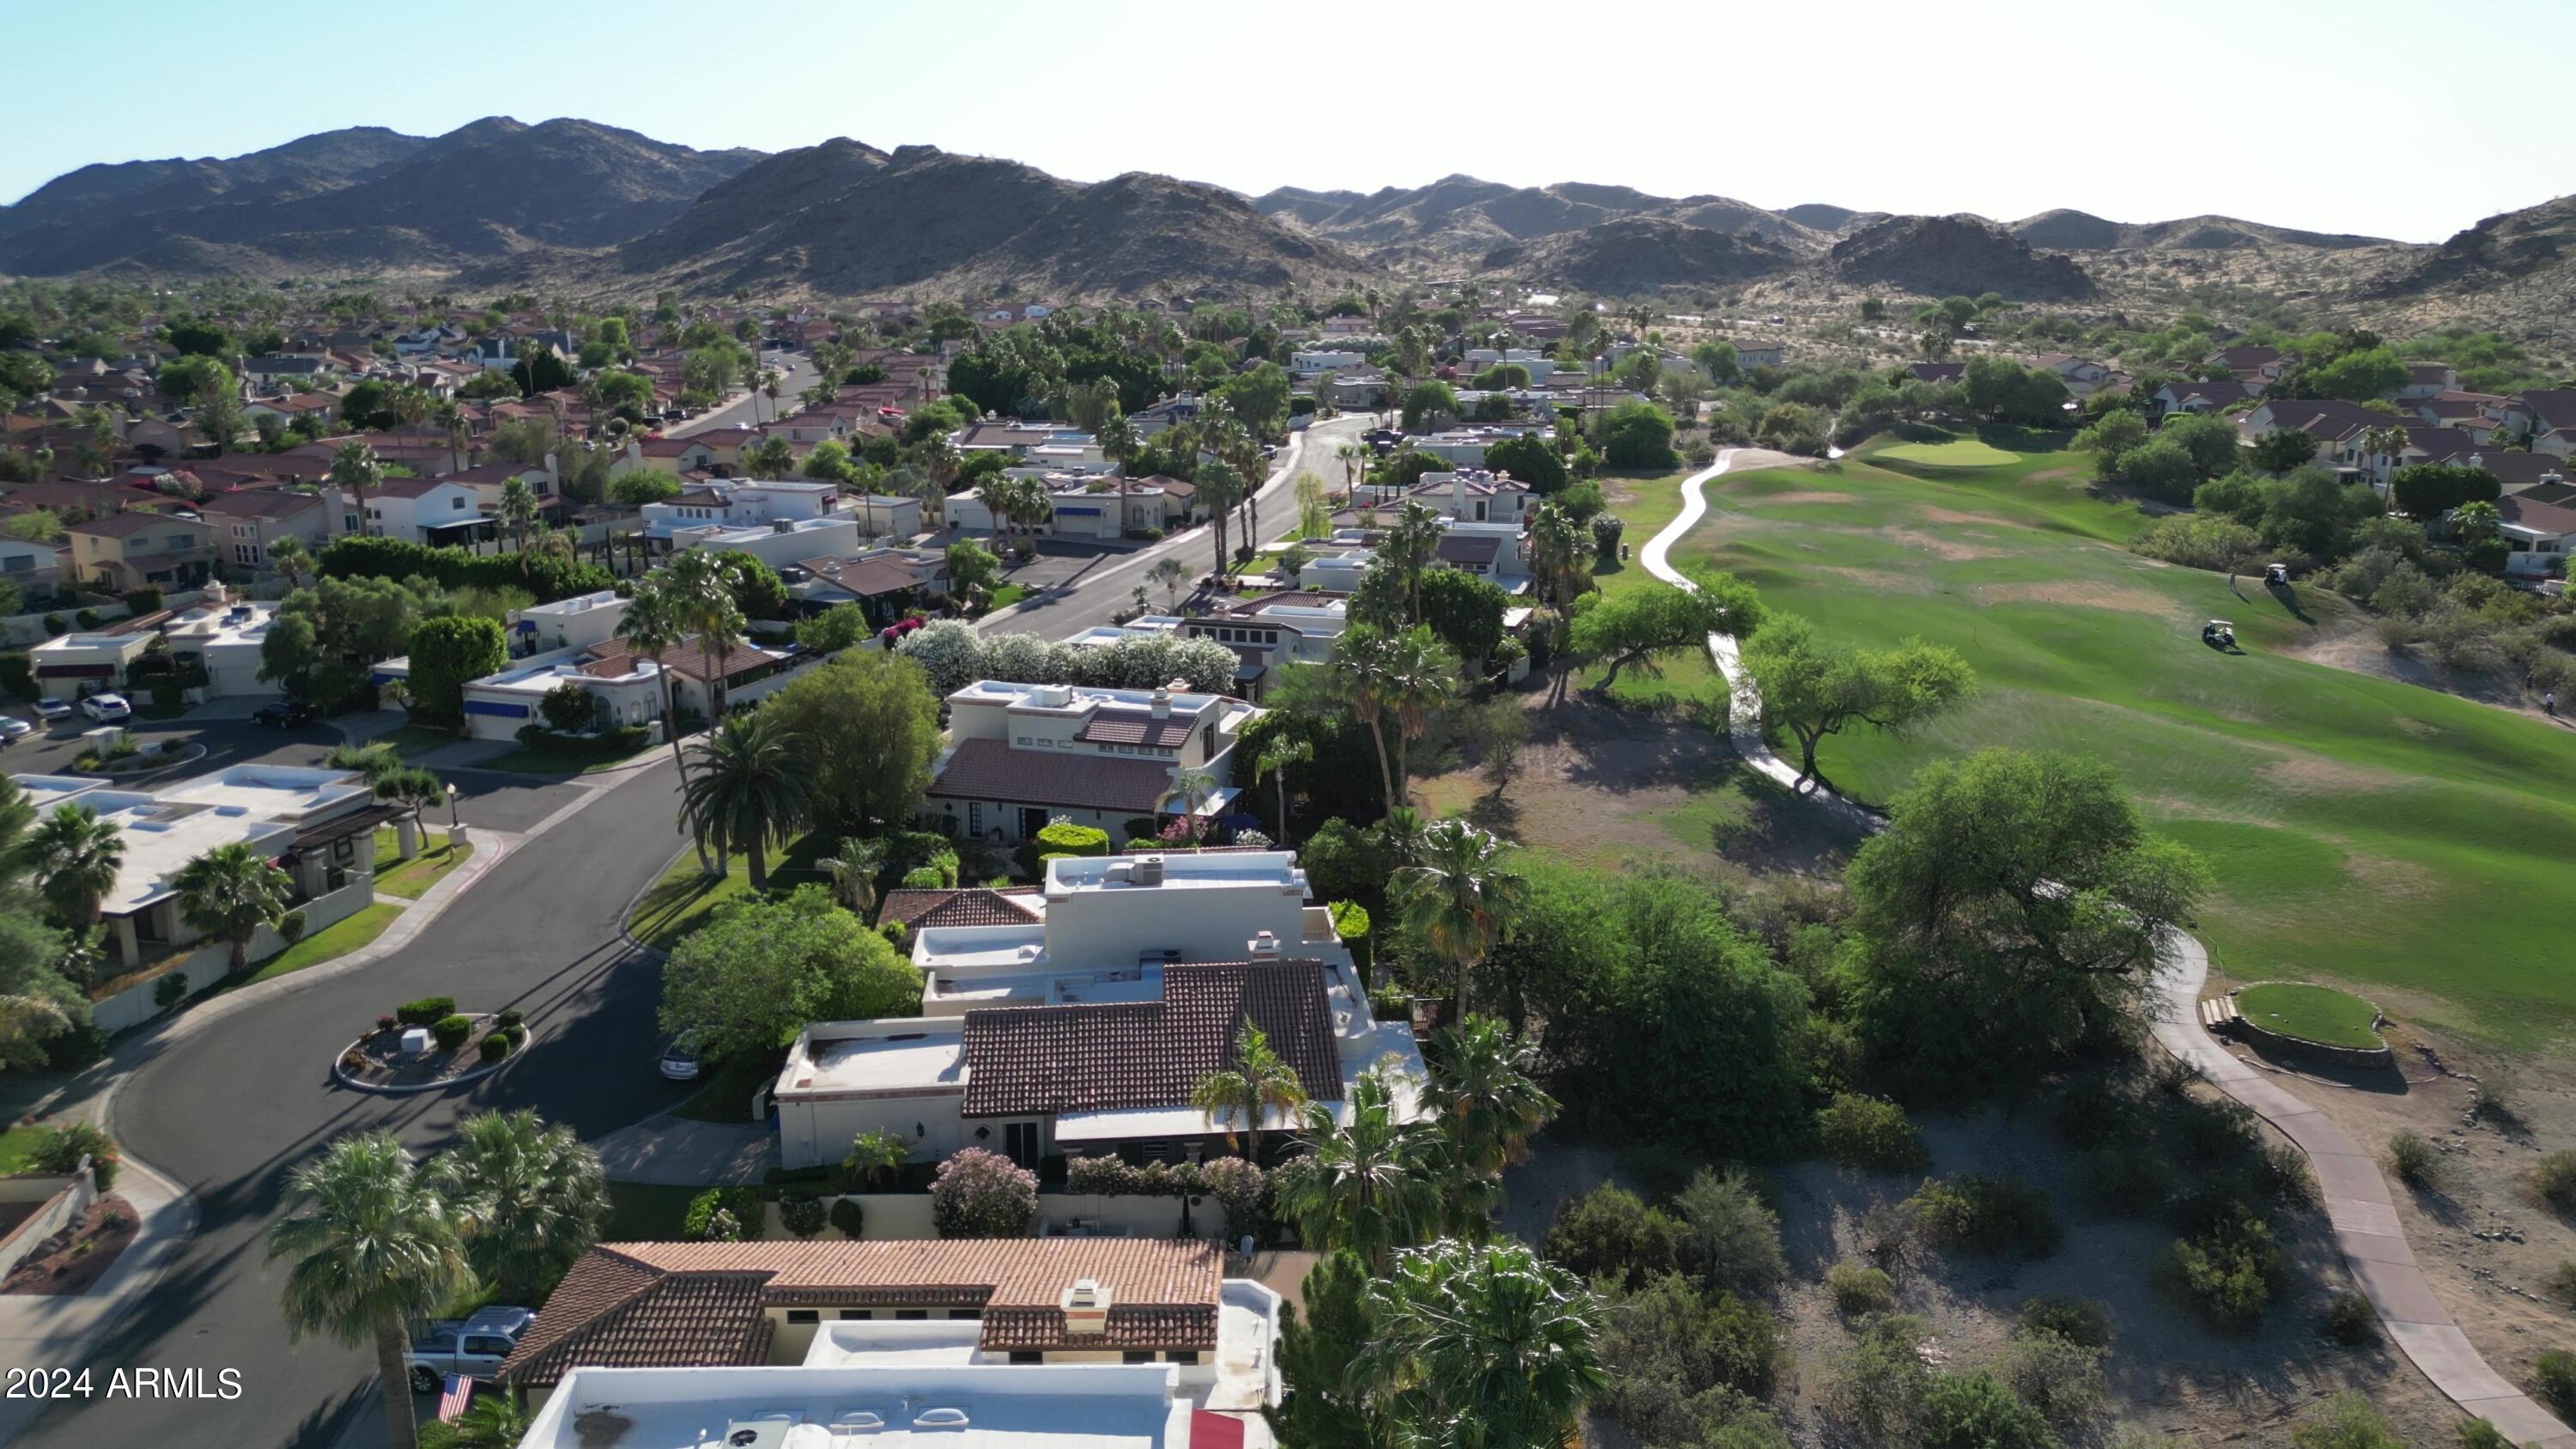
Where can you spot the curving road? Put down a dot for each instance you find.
(229, 1108)
(2357, 1200)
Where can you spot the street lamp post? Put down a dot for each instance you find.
(453, 824)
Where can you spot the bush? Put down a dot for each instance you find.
(1879, 1384)
(2417, 1163)
(923, 878)
(2228, 1271)
(1610, 1234)
(2563, 1283)
(62, 1148)
(802, 1213)
(88, 619)
(450, 1032)
(2555, 1372)
(144, 599)
(875, 1156)
(2351, 1321)
(1859, 1288)
(2556, 1177)
(2077, 1320)
(1975, 1411)
(1238, 1184)
(2480, 1434)
(1351, 923)
(290, 927)
(1671, 1341)
(506, 1019)
(54, 624)
(722, 1214)
(611, 744)
(424, 1011)
(170, 990)
(1065, 838)
(1730, 1237)
(2346, 1421)
(17, 676)
(494, 1046)
(980, 1194)
(1996, 1216)
(1869, 1134)
(2121, 1179)
(848, 1218)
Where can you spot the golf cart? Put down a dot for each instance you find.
(2276, 576)
(2218, 634)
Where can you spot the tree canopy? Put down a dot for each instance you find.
(869, 730)
(1629, 629)
(1814, 688)
(750, 979)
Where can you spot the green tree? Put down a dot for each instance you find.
(1319, 1353)
(519, 509)
(1256, 1080)
(2282, 449)
(448, 652)
(1465, 612)
(1528, 458)
(1462, 896)
(354, 470)
(771, 458)
(2426, 491)
(703, 588)
(1813, 689)
(527, 1199)
(372, 1249)
(1373, 1185)
(75, 855)
(231, 891)
(1426, 400)
(1485, 1086)
(1975, 1411)
(870, 726)
(1634, 434)
(1495, 1337)
(750, 979)
(749, 789)
(654, 624)
(1630, 629)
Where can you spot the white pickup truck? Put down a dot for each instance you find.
(472, 1346)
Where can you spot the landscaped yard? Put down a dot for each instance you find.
(645, 1212)
(17, 1145)
(412, 879)
(1007, 595)
(2310, 1013)
(329, 943)
(685, 896)
(413, 739)
(2358, 828)
(527, 761)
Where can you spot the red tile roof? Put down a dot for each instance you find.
(1024, 1060)
(972, 906)
(992, 770)
(1136, 727)
(617, 1311)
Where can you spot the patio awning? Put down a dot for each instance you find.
(1211, 807)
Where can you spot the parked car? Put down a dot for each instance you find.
(286, 714)
(106, 707)
(680, 1058)
(50, 710)
(472, 1346)
(11, 727)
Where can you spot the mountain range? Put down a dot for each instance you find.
(577, 205)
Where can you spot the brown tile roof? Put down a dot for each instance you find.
(2544, 517)
(261, 503)
(701, 1304)
(992, 770)
(865, 577)
(1022, 1060)
(125, 525)
(971, 906)
(1136, 727)
(684, 659)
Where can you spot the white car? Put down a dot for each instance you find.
(50, 710)
(105, 707)
(12, 727)
(680, 1058)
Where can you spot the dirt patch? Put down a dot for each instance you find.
(2304, 772)
(2050, 475)
(1807, 495)
(1748, 459)
(1931, 514)
(1948, 549)
(2083, 595)
(78, 1256)
(2354, 646)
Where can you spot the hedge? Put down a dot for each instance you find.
(549, 578)
(1235, 1182)
(614, 744)
(495, 1046)
(848, 1216)
(450, 1032)
(448, 651)
(17, 676)
(425, 1011)
(743, 1202)
(1351, 923)
(1066, 838)
(802, 1213)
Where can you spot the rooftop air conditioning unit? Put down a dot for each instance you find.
(1086, 1307)
(1149, 871)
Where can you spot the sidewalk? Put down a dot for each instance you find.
(679, 1151)
(59, 1332)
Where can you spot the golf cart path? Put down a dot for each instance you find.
(2357, 1201)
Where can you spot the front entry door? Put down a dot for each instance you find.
(1032, 820)
(1020, 1141)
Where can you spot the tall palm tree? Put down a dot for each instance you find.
(770, 382)
(1220, 488)
(229, 893)
(653, 626)
(997, 493)
(1273, 759)
(749, 790)
(518, 509)
(291, 558)
(1490, 1102)
(1494, 1345)
(1420, 677)
(354, 468)
(1118, 444)
(1557, 549)
(702, 583)
(1359, 676)
(940, 463)
(452, 421)
(528, 1198)
(373, 1248)
(1462, 897)
(1373, 1186)
(1259, 1080)
(1408, 548)
(75, 854)
(854, 870)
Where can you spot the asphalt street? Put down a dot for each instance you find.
(798, 373)
(229, 1110)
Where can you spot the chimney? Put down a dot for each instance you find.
(1086, 1307)
(1458, 494)
(1263, 947)
(554, 477)
(1162, 704)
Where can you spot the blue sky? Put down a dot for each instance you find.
(2358, 116)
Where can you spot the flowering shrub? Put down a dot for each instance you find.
(980, 1194)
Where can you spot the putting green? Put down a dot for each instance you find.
(2357, 828)
(1956, 453)
(2319, 1014)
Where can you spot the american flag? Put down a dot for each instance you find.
(453, 1398)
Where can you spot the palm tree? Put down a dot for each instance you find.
(1118, 443)
(290, 557)
(1420, 677)
(1190, 787)
(1557, 548)
(653, 626)
(941, 463)
(373, 1248)
(854, 870)
(1171, 573)
(518, 509)
(1408, 548)
(354, 468)
(1359, 676)
(527, 1198)
(770, 382)
(1273, 759)
(1220, 488)
(749, 790)
(451, 419)
(229, 893)
(1495, 1342)
(1462, 898)
(1258, 1081)
(1404, 834)
(703, 583)
(997, 493)
(1373, 1186)
(495, 1420)
(76, 855)
(1490, 1103)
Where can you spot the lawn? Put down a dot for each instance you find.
(412, 739)
(684, 898)
(1005, 596)
(1950, 453)
(645, 1212)
(527, 761)
(329, 943)
(2311, 1013)
(412, 879)
(2358, 829)
(17, 1145)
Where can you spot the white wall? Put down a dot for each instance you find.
(64, 1195)
(206, 964)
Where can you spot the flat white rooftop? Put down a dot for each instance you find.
(278, 792)
(1182, 871)
(956, 1406)
(916, 1054)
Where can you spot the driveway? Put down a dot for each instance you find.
(227, 742)
(231, 1109)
